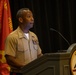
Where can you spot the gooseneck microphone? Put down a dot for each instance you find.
(60, 35)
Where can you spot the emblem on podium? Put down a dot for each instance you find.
(73, 63)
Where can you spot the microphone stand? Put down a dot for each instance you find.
(60, 35)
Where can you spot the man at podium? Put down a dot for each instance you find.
(22, 45)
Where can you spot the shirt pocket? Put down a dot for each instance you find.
(22, 45)
(22, 48)
(22, 53)
(35, 47)
(35, 44)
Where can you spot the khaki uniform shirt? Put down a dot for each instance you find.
(21, 48)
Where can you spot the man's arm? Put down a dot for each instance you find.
(13, 62)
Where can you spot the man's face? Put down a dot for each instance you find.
(28, 19)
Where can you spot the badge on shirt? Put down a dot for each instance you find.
(35, 42)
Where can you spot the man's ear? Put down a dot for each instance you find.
(20, 20)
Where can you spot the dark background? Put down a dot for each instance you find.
(57, 14)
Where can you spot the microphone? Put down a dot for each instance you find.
(60, 35)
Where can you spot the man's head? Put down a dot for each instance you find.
(25, 18)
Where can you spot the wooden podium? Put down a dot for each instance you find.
(50, 64)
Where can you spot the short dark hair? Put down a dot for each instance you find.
(20, 12)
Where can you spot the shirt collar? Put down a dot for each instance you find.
(20, 33)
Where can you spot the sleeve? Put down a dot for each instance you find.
(39, 51)
(10, 46)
